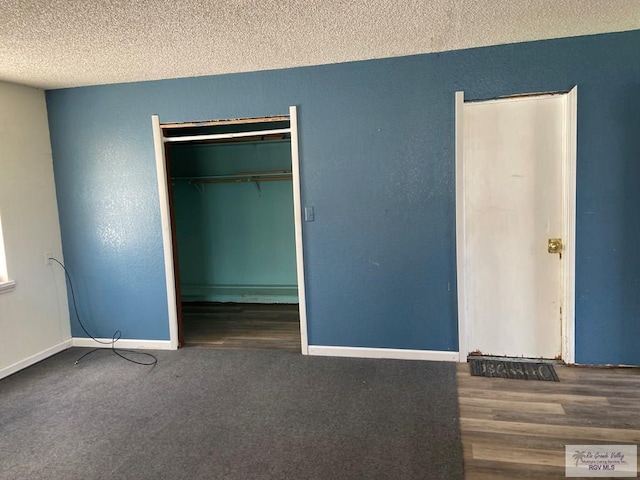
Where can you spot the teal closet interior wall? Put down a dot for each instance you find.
(236, 241)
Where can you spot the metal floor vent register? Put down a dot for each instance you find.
(516, 370)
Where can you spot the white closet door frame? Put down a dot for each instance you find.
(165, 219)
(163, 192)
(297, 212)
(569, 228)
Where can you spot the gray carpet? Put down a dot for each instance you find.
(223, 414)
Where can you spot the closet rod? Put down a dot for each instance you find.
(269, 173)
(243, 179)
(217, 136)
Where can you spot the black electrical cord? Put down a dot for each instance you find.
(116, 335)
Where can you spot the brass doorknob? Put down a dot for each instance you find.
(554, 245)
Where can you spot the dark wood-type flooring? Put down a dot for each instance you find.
(518, 429)
(242, 325)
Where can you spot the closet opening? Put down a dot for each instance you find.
(233, 198)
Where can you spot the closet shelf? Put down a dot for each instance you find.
(270, 176)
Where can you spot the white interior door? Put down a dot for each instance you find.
(513, 153)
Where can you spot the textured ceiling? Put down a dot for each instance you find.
(63, 43)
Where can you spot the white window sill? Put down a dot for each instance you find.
(7, 286)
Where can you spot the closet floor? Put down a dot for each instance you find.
(242, 325)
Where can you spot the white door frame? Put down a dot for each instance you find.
(568, 234)
(163, 191)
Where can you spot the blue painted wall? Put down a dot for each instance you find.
(236, 241)
(377, 153)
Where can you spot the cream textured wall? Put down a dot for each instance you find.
(34, 317)
(63, 43)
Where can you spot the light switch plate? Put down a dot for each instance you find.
(309, 215)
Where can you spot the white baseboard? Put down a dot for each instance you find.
(392, 353)
(27, 362)
(123, 343)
